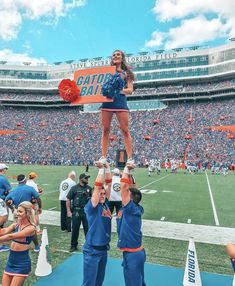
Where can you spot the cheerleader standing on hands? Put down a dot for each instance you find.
(120, 86)
(19, 264)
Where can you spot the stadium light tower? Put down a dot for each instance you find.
(177, 49)
(97, 58)
(69, 61)
(232, 39)
(159, 51)
(143, 53)
(3, 62)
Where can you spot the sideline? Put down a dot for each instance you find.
(163, 229)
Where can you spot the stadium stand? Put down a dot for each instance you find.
(178, 99)
(67, 136)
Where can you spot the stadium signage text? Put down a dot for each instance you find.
(134, 59)
(90, 82)
(191, 266)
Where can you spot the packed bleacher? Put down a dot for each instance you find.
(67, 136)
(29, 96)
(177, 89)
(185, 88)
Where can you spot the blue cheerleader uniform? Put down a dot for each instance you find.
(112, 89)
(97, 243)
(130, 242)
(19, 263)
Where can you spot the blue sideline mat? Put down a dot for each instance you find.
(69, 273)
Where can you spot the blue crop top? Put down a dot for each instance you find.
(25, 240)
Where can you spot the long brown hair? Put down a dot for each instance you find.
(125, 66)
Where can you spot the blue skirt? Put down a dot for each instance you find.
(18, 263)
(119, 104)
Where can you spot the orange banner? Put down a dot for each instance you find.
(226, 128)
(7, 132)
(90, 82)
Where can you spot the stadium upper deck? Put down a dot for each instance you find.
(155, 73)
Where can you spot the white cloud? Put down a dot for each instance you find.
(14, 12)
(10, 56)
(172, 9)
(201, 20)
(193, 31)
(156, 39)
(10, 21)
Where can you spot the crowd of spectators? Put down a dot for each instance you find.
(29, 96)
(67, 136)
(168, 89)
(183, 88)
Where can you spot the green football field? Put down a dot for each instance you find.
(170, 197)
(176, 197)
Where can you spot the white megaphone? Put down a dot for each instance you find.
(43, 266)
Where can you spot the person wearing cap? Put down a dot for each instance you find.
(65, 186)
(115, 199)
(79, 196)
(31, 182)
(20, 194)
(4, 190)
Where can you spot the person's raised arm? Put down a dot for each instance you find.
(125, 184)
(108, 180)
(99, 182)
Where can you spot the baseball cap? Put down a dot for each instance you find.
(83, 175)
(3, 166)
(32, 175)
(116, 171)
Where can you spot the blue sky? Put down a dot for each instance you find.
(60, 30)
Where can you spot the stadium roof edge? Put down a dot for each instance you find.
(69, 62)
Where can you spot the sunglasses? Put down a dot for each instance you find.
(103, 194)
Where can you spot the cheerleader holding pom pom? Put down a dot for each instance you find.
(117, 87)
(18, 266)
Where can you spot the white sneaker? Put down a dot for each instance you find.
(130, 162)
(102, 160)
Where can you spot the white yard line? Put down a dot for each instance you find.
(154, 181)
(212, 201)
